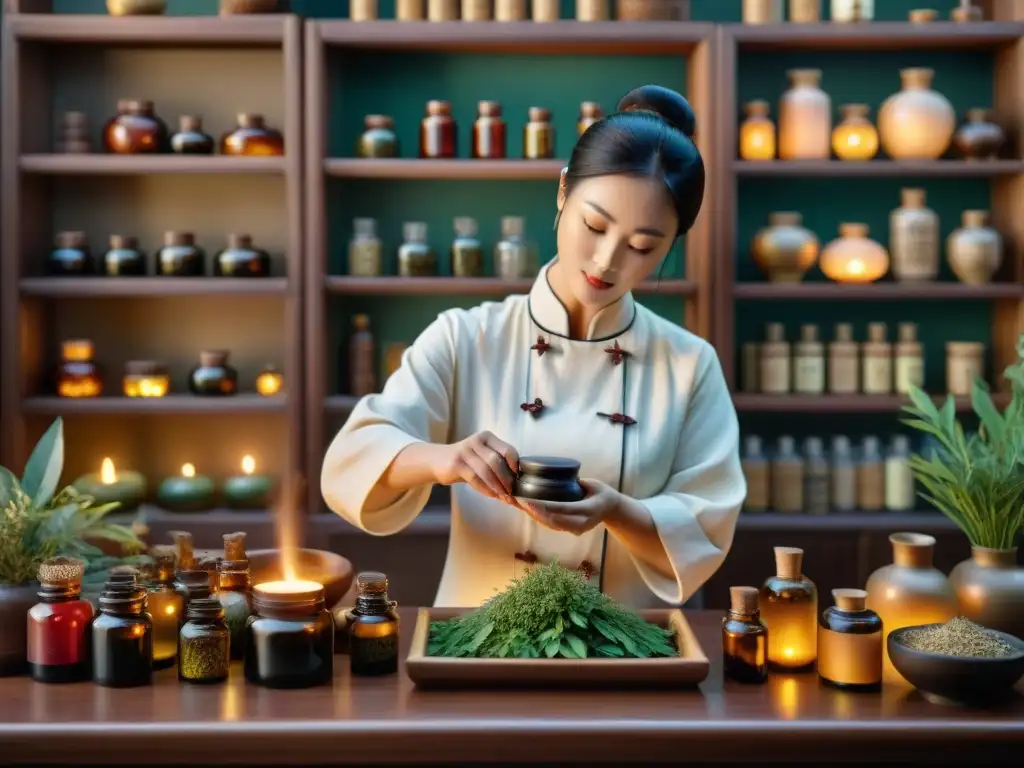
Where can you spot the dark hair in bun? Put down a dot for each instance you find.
(651, 134)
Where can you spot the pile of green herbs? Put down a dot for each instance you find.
(976, 480)
(551, 612)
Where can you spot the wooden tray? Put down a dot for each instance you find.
(687, 669)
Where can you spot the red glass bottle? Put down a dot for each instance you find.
(437, 131)
(59, 626)
(490, 134)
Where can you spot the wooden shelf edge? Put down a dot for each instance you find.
(757, 403)
(876, 291)
(881, 520)
(878, 168)
(876, 35)
(262, 29)
(127, 287)
(390, 285)
(171, 405)
(99, 164)
(440, 170)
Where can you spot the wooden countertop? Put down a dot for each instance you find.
(365, 721)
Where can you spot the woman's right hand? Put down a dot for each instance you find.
(487, 464)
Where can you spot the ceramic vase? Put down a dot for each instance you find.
(855, 138)
(785, 250)
(853, 257)
(757, 132)
(990, 589)
(974, 250)
(917, 123)
(15, 602)
(911, 590)
(136, 7)
(914, 238)
(979, 138)
(805, 118)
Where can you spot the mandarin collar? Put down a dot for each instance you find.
(551, 316)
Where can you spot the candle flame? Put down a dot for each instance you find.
(108, 475)
(188, 470)
(248, 465)
(289, 586)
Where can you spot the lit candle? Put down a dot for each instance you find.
(111, 485)
(248, 490)
(145, 378)
(270, 382)
(187, 492)
(289, 641)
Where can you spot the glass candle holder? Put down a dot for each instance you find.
(145, 378)
(248, 490)
(78, 375)
(270, 382)
(187, 492)
(204, 643)
(289, 642)
(855, 138)
(59, 625)
(166, 607)
(111, 485)
(122, 637)
(213, 376)
(789, 609)
(373, 628)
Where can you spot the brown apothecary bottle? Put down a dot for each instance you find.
(490, 133)
(373, 628)
(241, 259)
(180, 256)
(135, 131)
(70, 255)
(744, 638)
(190, 138)
(789, 609)
(438, 132)
(538, 135)
(213, 375)
(378, 138)
(850, 643)
(252, 138)
(78, 374)
(124, 258)
(590, 113)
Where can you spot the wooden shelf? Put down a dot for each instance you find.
(879, 168)
(749, 403)
(877, 35)
(127, 287)
(238, 30)
(171, 405)
(97, 164)
(846, 521)
(467, 286)
(465, 170)
(876, 291)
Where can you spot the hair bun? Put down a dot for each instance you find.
(668, 105)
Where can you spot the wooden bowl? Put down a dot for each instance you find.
(333, 571)
(960, 680)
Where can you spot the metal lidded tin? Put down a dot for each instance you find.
(549, 478)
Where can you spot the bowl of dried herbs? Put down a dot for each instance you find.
(958, 662)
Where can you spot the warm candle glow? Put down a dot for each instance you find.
(248, 464)
(288, 586)
(270, 382)
(188, 470)
(108, 475)
(853, 257)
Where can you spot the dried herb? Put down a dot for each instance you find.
(551, 612)
(959, 637)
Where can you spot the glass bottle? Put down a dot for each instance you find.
(59, 626)
(855, 138)
(870, 476)
(124, 257)
(373, 631)
(850, 643)
(122, 638)
(775, 370)
(979, 138)
(166, 607)
(787, 484)
(789, 610)
(213, 375)
(204, 641)
(816, 491)
(180, 256)
(136, 131)
(241, 259)
(108, 126)
(415, 257)
(844, 475)
(378, 138)
(914, 238)
(78, 374)
(467, 252)
(190, 138)
(899, 478)
(234, 590)
(757, 132)
(843, 362)
(809, 362)
(744, 638)
(438, 132)
(965, 362)
(289, 641)
(512, 257)
(252, 137)
(361, 355)
(538, 135)
(805, 118)
(908, 356)
(876, 357)
(490, 132)
(757, 473)
(70, 255)
(365, 251)
(590, 113)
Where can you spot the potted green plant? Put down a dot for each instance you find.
(977, 481)
(36, 522)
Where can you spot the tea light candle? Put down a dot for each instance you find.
(145, 378)
(270, 382)
(109, 485)
(248, 490)
(187, 492)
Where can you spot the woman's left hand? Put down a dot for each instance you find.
(600, 504)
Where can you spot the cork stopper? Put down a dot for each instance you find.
(465, 226)
(378, 122)
(361, 322)
(844, 332)
(811, 77)
(145, 368)
(917, 78)
(922, 15)
(77, 350)
(234, 546)
(512, 226)
(190, 124)
(539, 115)
(239, 240)
(774, 333)
(250, 120)
(140, 107)
(789, 563)
(372, 582)
(855, 110)
(61, 571)
(488, 109)
(213, 358)
(757, 108)
(123, 242)
(179, 238)
(877, 332)
(808, 333)
(785, 219)
(850, 599)
(438, 107)
(591, 109)
(974, 218)
(979, 115)
(183, 550)
(743, 600)
(907, 332)
(73, 239)
(912, 197)
(853, 229)
(415, 231)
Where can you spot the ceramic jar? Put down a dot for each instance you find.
(974, 250)
(916, 123)
(757, 132)
(911, 590)
(855, 138)
(914, 238)
(979, 138)
(136, 7)
(853, 257)
(965, 362)
(785, 250)
(805, 118)
(990, 589)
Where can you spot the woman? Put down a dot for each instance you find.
(575, 369)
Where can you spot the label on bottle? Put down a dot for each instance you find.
(844, 487)
(842, 374)
(960, 374)
(810, 374)
(774, 377)
(877, 375)
(909, 372)
(899, 484)
(871, 485)
(756, 474)
(364, 259)
(787, 486)
(915, 249)
(849, 659)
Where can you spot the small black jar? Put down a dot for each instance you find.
(124, 258)
(70, 255)
(213, 376)
(549, 478)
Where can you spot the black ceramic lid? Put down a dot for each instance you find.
(549, 466)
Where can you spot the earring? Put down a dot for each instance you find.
(558, 215)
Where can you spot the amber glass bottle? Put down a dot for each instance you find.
(241, 259)
(78, 375)
(166, 606)
(490, 133)
(70, 255)
(373, 631)
(590, 113)
(234, 590)
(744, 638)
(124, 257)
(190, 139)
(378, 138)
(538, 135)
(251, 137)
(180, 256)
(438, 134)
(137, 131)
(789, 609)
(850, 643)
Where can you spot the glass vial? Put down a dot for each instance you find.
(789, 610)
(750, 364)
(816, 477)
(850, 643)
(467, 252)
(590, 113)
(512, 258)
(365, 251)
(205, 643)
(234, 590)
(538, 135)
(166, 607)
(373, 631)
(787, 484)
(757, 132)
(843, 362)
(490, 133)
(844, 475)
(415, 258)
(775, 366)
(122, 636)
(909, 358)
(59, 625)
(870, 476)
(438, 134)
(877, 361)
(744, 638)
(756, 471)
(361, 354)
(809, 362)
(899, 479)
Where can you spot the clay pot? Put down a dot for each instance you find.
(917, 123)
(975, 250)
(990, 589)
(784, 250)
(911, 591)
(136, 7)
(15, 602)
(853, 257)
(979, 138)
(233, 7)
(333, 571)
